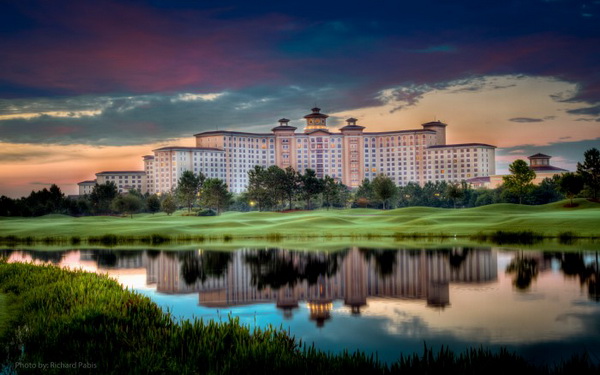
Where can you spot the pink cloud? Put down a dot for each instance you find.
(110, 46)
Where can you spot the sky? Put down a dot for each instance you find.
(87, 86)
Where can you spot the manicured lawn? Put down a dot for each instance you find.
(546, 220)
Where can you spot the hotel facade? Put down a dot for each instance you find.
(348, 155)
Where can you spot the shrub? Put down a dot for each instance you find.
(207, 212)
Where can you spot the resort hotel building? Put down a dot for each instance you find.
(348, 155)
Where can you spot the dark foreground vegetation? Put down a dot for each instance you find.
(77, 322)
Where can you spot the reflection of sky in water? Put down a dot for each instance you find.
(392, 327)
(552, 318)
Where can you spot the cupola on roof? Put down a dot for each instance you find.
(316, 113)
(316, 120)
(434, 123)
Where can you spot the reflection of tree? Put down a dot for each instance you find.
(573, 264)
(385, 260)
(201, 265)
(153, 253)
(275, 268)
(457, 257)
(5, 253)
(47, 256)
(191, 269)
(109, 258)
(525, 270)
(593, 283)
(105, 258)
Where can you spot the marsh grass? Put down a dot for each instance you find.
(61, 316)
(525, 237)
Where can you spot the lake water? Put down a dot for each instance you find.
(544, 305)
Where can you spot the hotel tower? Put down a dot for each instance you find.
(348, 155)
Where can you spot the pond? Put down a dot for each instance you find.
(544, 305)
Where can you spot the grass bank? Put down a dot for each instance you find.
(544, 221)
(74, 322)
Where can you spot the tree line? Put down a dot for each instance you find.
(274, 188)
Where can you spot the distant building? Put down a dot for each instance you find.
(419, 155)
(168, 164)
(417, 276)
(540, 164)
(348, 156)
(125, 180)
(86, 187)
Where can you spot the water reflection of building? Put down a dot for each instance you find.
(355, 281)
(423, 275)
(320, 279)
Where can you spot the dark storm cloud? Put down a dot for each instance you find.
(409, 96)
(41, 183)
(12, 156)
(525, 119)
(591, 111)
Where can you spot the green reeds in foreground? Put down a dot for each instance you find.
(74, 322)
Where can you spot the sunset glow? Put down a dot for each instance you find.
(87, 87)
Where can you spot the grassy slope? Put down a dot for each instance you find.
(74, 317)
(549, 220)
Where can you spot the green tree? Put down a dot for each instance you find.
(127, 203)
(102, 196)
(153, 203)
(311, 186)
(137, 193)
(384, 188)
(330, 190)
(547, 191)
(275, 178)
(241, 202)
(364, 193)
(411, 194)
(56, 199)
(433, 194)
(289, 184)
(468, 194)
(215, 194)
(454, 192)
(188, 187)
(485, 196)
(519, 181)
(8, 206)
(571, 184)
(343, 196)
(259, 188)
(168, 204)
(590, 171)
(80, 206)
